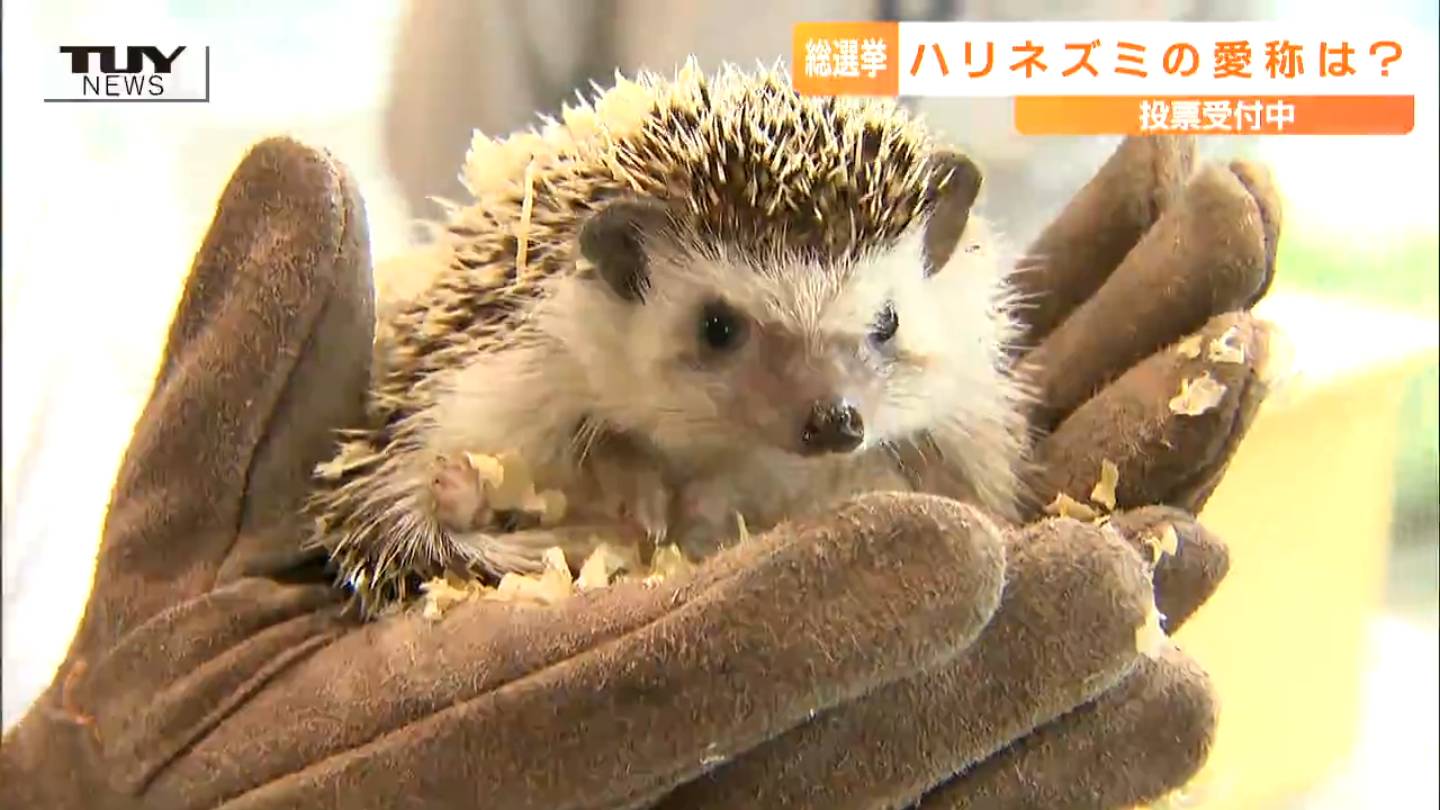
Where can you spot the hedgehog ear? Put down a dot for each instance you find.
(954, 189)
(613, 239)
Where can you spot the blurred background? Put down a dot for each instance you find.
(1323, 643)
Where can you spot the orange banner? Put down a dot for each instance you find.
(846, 58)
(1214, 115)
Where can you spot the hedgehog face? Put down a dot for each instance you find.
(816, 360)
(764, 356)
(704, 349)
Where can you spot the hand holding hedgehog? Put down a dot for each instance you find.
(704, 302)
(844, 661)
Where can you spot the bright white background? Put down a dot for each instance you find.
(105, 205)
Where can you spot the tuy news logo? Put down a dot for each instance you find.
(134, 73)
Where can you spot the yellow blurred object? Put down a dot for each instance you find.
(1305, 509)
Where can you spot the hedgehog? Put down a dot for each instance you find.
(690, 299)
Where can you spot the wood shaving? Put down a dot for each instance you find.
(1104, 491)
(442, 593)
(1224, 350)
(556, 583)
(546, 589)
(1166, 541)
(669, 562)
(1169, 540)
(1190, 347)
(1197, 395)
(517, 483)
(1150, 638)
(489, 468)
(553, 584)
(488, 166)
(1066, 506)
(582, 122)
(607, 565)
(624, 107)
(508, 487)
(601, 567)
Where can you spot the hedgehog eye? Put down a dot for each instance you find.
(722, 329)
(886, 324)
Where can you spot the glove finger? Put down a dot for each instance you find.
(1093, 233)
(1141, 740)
(323, 391)
(1257, 180)
(1064, 633)
(1189, 561)
(1169, 425)
(1212, 252)
(604, 699)
(288, 230)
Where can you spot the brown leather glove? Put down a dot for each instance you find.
(1053, 706)
(860, 661)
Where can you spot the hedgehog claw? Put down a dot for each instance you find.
(633, 493)
(651, 513)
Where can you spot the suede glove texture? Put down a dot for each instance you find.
(905, 650)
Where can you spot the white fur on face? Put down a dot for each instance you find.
(954, 326)
(809, 337)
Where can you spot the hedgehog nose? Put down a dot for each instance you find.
(833, 426)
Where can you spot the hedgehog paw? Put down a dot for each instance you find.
(458, 496)
(634, 494)
(710, 519)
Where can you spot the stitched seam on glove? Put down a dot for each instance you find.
(459, 705)
(1098, 689)
(149, 762)
(130, 726)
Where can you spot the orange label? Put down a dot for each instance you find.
(1214, 115)
(846, 58)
